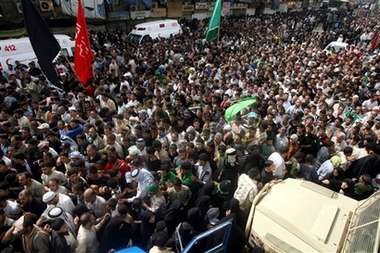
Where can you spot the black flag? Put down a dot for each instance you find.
(44, 44)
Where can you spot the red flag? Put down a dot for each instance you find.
(375, 41)
(83, 55)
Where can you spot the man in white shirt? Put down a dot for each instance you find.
(111, 142)
(87, 240)
(279, 168)
(4, 220)
(10, 208)
(247, 189)
(141, 176)
(339, 141)
(95, 203)
(370, 103)
(5, 159)
(140, 144)
(63, 201)
(203, 168)
(294, 109)
(106, 102)
(328, 167)
(124, 84)
(44, 147)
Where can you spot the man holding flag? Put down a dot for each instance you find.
(46, 47)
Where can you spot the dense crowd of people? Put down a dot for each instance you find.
(148, 159)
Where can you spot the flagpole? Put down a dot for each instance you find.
(220, 21)
(72, 70)
(219, 29)
(70, 67)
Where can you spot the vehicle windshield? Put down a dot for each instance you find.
(134, 38)
(362, 234)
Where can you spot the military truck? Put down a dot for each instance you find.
(297, 216)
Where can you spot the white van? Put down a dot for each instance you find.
(335, 46)
(21, 50)
(153, 30)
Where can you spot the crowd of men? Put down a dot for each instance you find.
(148, 159)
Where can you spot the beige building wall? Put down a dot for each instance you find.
(174, 8)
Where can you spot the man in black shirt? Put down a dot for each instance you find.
(33, 70)
(309, 143)
(57, 240)
(252, 160)
(29, 204)
(267, 172)
(4, 171)
(20, 66)
(117, 232)
(5, 225)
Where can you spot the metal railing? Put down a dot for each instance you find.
(220, 247)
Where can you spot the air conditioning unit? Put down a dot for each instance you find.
(46, 5)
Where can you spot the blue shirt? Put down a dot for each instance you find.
(73, 133)
(326, 169)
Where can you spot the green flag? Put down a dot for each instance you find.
(213, 28)
(234, 109)
(159, 75)
(350, 113)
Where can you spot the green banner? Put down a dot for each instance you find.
(236, 108)
(349, 112)
(213, 29)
